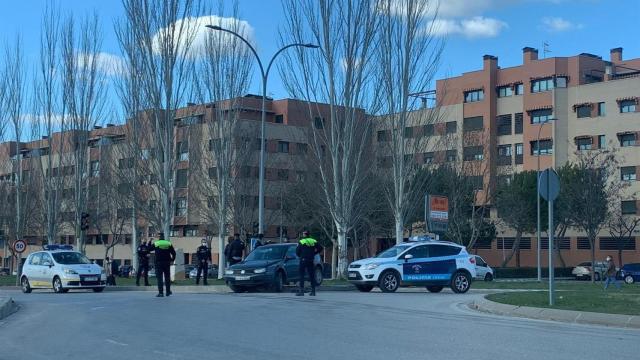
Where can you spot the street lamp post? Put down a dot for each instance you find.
(538, 195)
(265, 74)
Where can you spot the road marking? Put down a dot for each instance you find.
(97, 308)
(116, 342)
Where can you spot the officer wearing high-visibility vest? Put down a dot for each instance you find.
(307, 250)
(165, 255)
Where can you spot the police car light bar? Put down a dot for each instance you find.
(57, 247)
(421, 238)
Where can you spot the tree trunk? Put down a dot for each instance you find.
(134, 239)
(592, 241)
(343, 259)
(399, 231)
(620, 256)
(334, 259)
(514, 249)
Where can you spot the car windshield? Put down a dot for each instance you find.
(267, 253)
(70, 258)
(394, 251)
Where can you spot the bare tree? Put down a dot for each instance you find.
(621, 228)
(340, 75)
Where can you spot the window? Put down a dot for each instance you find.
(213, 172)
(175, 232)
(519, 89)
(627, 106)
(628, 207)
(476, 182)
(279, 119)
(191, 231)
(546, 147)
(584, 243)
(504, 154)
(192, 120)
(383, 135)
(473, 123)
(181, 207)
(518, 123)
(583, 111)
(35, 259)
(628, 173)
(452, 155)
(214, 144)
(182, 178)
(124, 213)
(427, 158)
(182, 151)
(505, 243)
(428, 130)
(561, 81)
(211, 202)
(94, 169)
(627, 140)
(283, 174)
(452, 127)
(283, 147)
(584, 143)
(483, 244)
(564, 243)
(504, 180)
(540, 116)
(318, 122)
(602, 109)
(126, 163)
(504, 91)
(473, 96)
(443, 250)
(610, 243)
(471, 153)
(602, 141)
(504, 124)
(541, 85)
(419, 252)
(256, 144)
(408, 132)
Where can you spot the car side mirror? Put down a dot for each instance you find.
(408, 257)
(48, 264)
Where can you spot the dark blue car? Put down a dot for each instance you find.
(630, 273)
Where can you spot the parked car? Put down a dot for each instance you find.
(5, 271)
(212, 272)
(630, 273)
(483, 270)
(187, 270)
(152, 271)
(583, 271)
(125, 271)
(61, 268)
(429, 263)
(268, 266)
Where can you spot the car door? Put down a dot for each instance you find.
(481, 267)
(439, 265)
(414, 270)
(292, 264)
(48, 270)
(33, 270)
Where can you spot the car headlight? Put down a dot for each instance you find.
(228, 272)
(370, 266)
(260, 271)
(70, 272)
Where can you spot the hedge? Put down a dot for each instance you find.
(529, 272)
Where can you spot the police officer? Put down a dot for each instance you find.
(143, 263)
(307, 249)
(165, 255)
(236, 248)
(204, 257)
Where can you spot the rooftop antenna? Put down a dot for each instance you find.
(545, 49)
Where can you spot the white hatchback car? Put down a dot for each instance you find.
(60, 268)
(483, 270)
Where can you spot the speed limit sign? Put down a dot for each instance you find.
(19, 246)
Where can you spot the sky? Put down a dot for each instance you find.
(472, 28)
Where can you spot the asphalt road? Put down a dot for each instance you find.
(338, 325)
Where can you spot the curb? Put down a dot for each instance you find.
(568, 316)
(215, 289)
(7, 307)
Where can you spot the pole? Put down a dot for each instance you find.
(551, 270)
(426, 204)
(538, 204)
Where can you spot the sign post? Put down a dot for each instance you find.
(19, 246)
(549, 188)
(436, 213)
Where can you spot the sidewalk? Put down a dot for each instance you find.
(578, 317)
(7, 307)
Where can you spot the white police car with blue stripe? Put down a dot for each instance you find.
(419, 262)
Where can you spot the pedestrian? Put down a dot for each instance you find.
(204, 257)
(108, 267)
(307, 250)
(227, 251)
(236, 248)
(165, 255)
(610, 274)
(259, 241)
(143, 263)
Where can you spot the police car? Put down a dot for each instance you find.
(60, 268)
(420, 262)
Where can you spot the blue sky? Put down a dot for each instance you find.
(473, 28)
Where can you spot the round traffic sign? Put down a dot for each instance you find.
(19, 246)
(549, 185)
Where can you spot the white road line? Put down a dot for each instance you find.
(97, 308)
(116, 342)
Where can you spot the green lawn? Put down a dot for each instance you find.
(579, 297)
(560, 285)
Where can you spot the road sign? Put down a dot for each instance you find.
(549, 185)
(437, 213)
(19, 246)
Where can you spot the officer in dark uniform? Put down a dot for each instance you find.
(236, 248)
(204, 258)
(307, 249)
(165, 255)
(143, 263)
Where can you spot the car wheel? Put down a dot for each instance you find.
(57, 285)
(98, 290)
(278, 282)
(237, 289)
(488, 277)
(435, 288)
(596, 276)
(319, 276)
(26, 287)
(389, 281)
(364, 288)
(629, 279)
(460, 283)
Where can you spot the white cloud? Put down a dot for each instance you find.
(106, 63)
(475, 27)
(558, 24)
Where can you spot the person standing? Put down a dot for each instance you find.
(227, 251)
(143, 263)
(165, 255)
(610, 274)
(235, 250)
(307, 250)
(204, 258)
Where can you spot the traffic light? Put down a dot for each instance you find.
(84, 222)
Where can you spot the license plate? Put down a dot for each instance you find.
(90, 278)
(243, 277)
(353, 275)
